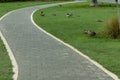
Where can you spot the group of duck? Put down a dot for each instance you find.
(88, 32)
(67, 14)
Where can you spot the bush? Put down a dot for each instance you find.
(111, 29)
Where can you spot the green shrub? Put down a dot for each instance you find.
(111, 29)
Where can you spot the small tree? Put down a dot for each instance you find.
(93, 3)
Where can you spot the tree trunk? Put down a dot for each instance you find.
(93, 3)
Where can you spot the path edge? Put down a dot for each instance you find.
(114, 76)
(10, 53)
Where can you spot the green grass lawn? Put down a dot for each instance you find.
(5, 64)
(103, 50)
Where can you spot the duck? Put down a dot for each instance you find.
(42, 13)
(90, 33)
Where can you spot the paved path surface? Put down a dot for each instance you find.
(110, 1)
(41, 57)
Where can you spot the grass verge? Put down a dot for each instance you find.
(103, 50)
(5, 63)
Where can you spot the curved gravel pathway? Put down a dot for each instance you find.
(40, 56)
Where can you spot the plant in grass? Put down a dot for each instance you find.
(111, 29)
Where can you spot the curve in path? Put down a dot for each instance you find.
(40, 56)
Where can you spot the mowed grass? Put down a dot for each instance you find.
(5, 63)
(71, 30)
